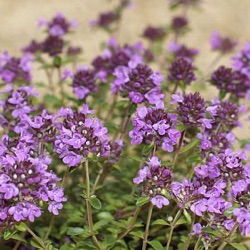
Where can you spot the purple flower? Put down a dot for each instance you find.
(154, 178)
(53, 45)
(222, 44)
(25, 181)
(241, 61)
(139, 83)
(84, 83)
(197, 229)
(13, 69)
(159, 201)
(79, 135)
(154, 124)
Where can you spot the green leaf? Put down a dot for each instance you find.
(21, 227)
(142, 201)
(191, 145)
(238, 246)
(160, 222)
(57, 62)
(19, 238)
(8, 234)
(95, 202)
(35, 244)
(136, 158)
(156, 244)
(147, 149)
(211, 231)
(138, 234)
(222, 94)
(100, 224)
(75, 231)
(187, 216)
(181, 221)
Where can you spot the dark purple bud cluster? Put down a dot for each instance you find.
(181, 70)
(227, 115)
(54, 43)
(181, 50)
(191, 109)
(155, 125)
(84, 83)
(222, 44)
(179, 23)
(74, 51)
(14, 70)
(79, 135)
(230, 81)
(106, 19)
(154, 179)
(154, 33)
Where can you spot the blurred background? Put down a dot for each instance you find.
(228, 17)
(19, 22)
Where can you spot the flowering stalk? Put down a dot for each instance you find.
(178, 148)
(172, 228)
(131, 224)
(89, 209)
(224, 243)
(145, 238)
(37, 238)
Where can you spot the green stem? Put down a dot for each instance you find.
(131, 224)
(178, 148)
(37, 238)
(97, 180)
(60, 82)
(172, 228)
(51, 224)
(197, 243)
(224, 243)
(89, 209)
(145, 238)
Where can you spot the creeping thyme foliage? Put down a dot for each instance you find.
(127, 152)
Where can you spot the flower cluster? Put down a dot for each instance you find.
(181, 70)
(54, 43)
(155, 125)
(16, 105)
(222, 44)
(154, 179)
(181, 50)
(139, 83)
(78, 135)
(231, 81)
(154, 33)
(25, 181)
(115, 56)
(14, 69)
(179, 24)
(191, 109)
(241, 61)
(84, 82)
